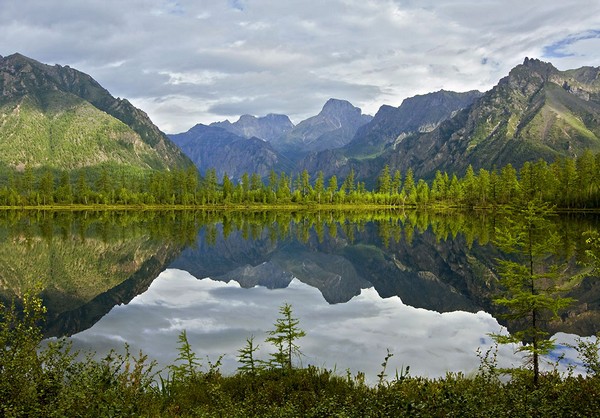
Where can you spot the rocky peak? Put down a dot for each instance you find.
(245, 119)
(277, 118)
(336, 106)
(23, 75)
(266, 128)
(340, 112)
(530, 76)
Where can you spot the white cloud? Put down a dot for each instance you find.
(294, 55)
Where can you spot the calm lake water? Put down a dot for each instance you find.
(416, 284)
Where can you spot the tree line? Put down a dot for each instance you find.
(566, 183)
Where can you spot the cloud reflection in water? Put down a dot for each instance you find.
(218, 317)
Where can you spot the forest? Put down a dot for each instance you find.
(567, 183)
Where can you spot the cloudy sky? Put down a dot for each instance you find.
(187, 62)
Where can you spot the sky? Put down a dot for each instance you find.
(188, 62)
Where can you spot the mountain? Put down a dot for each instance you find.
(334, 126)
(214, 147)
(268, 127)
(228, 148)
(58, 117)
(390, 125)
(535, 112)
(422, 113)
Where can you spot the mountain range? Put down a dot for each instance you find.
(60, 118)
(536, 111)
(261, 144)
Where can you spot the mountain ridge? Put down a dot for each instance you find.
(267, 128)
(215, 147)
(333, 127)
(529, 114)
(75, 122)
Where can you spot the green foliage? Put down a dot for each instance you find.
(284, 338)
(71, 135)
(49, 381)
(529, 281)
(249, 364)
(566, 183)
(190, 364)
(589, 354)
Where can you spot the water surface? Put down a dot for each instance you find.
(419, 285)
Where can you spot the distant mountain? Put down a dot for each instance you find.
(235, 148)
(333, 127)
(61, 118)
(268, 127)
(535, 112)
(214, 147)
(390, 125)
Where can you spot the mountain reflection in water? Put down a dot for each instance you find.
(416, 283)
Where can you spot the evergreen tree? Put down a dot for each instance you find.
(439, 187)
(250, 364)
(46, 188)
(284, 193)
(531, 292)
(64, 193)
(273, 185)
(483, 187)
(409, 188)
(211, 185)
(422, 192)
(332, 188)
(586, 179)
(568, 181)
(348, 185)
(385, 181)
(304, 188)
(319, 188)
(396, 182)
(227, 188)
(469, 183)
(284, 338)
(508, 185)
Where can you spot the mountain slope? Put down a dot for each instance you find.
(421, 113)
(535, 112)
(58, 117)
(213, 147)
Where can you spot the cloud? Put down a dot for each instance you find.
(223, 59)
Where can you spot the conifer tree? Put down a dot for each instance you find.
(531, 292)
(284, 338)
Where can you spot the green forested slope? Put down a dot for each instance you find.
(59, 118)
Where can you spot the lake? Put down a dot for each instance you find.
(361, 283)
